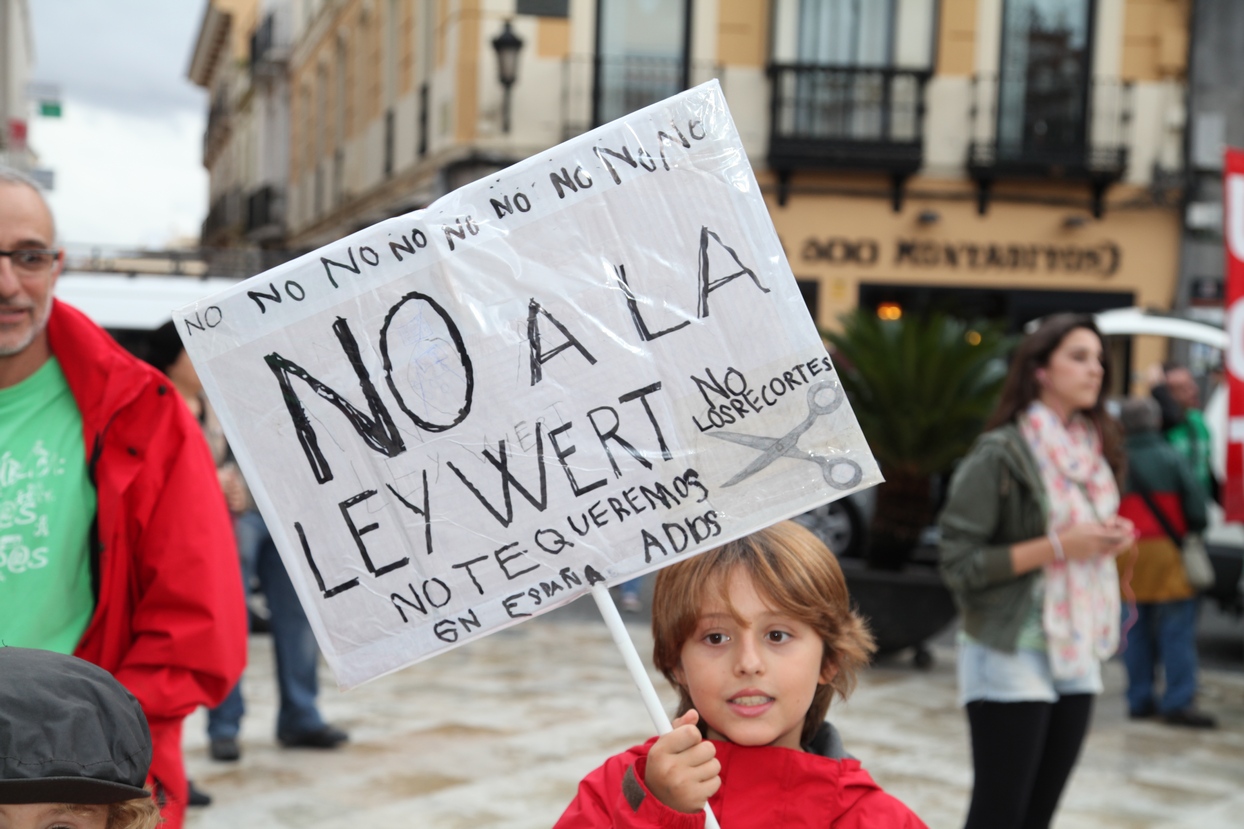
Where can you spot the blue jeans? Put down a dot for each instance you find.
(632, 586)
(297, 654)
(1165, 632)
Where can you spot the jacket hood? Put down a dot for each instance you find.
(104, 380)
(827, 742)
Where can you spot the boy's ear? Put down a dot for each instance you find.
(828, 671)
(679, 675)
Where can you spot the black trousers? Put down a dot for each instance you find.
(1022, 755)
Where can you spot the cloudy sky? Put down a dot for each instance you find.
(127, 152)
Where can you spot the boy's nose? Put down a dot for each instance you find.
(747, 659)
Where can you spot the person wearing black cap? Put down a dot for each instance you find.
(75, 749)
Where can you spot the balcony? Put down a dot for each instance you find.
(269, 52)
(265, 214)
(1065, 135)
(224, 222)
(596, 90)
(846, 118)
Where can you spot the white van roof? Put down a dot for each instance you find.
(140, 303)
(1141, 321)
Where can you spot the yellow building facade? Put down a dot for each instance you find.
(1003, 158)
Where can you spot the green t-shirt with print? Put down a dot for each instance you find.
(47, 504)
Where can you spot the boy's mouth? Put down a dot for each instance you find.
(751, 700)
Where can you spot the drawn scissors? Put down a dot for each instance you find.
(787, 445)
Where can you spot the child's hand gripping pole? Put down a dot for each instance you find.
(639, 674)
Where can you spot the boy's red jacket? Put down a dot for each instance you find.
(761, 787)
(170, 618)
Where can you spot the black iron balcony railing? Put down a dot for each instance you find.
(421, 125)
(261, 41)
(596, 90)
(1068, 135)
(224, 219)
(265, 213)
(390, 141)
(846, 118)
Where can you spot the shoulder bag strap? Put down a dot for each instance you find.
(1143, 492)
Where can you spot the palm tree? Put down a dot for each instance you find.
(921, 387)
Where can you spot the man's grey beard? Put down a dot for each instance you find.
(40, 323)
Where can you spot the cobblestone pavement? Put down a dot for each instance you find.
(498, 733)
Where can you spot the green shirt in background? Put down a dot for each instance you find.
(1191, 439)
(47, 504)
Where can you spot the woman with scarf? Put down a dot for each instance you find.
(1029, 536)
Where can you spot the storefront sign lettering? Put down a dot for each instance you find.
(839, 251)
(1101, 260)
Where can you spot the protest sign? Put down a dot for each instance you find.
(572, 372)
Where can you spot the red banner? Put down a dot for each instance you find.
(1233, 234)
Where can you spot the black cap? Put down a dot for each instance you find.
(69, 732)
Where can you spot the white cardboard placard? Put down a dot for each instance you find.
(578, 369)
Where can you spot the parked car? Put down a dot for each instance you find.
(119, 302)
(843, 524)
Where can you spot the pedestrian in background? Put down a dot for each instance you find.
(119, 548)
(1028, 534)
(162, 348)
(1163, 498)
(299, 722)
(1183, 424)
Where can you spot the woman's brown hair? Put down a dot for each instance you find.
(796, 574)
(1022, 387)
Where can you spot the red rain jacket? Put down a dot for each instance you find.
(170, 618)
(761, 787)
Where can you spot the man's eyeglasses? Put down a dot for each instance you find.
(31, 260)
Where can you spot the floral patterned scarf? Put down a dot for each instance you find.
(1081, 611)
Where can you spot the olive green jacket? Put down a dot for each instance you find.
(996, 500)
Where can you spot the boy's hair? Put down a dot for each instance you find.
(796, 574)
(139, 813)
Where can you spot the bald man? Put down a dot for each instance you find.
(115, 543)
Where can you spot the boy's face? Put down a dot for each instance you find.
(52, 816)
(751, 681)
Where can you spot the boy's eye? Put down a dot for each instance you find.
(778, 636)
(715, 638)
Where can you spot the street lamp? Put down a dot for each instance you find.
(507, 46)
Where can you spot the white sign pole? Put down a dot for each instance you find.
(639, 674)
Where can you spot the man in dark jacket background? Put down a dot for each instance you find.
(115, 543)
(1165, 631)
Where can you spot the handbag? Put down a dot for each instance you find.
(1197, 567)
